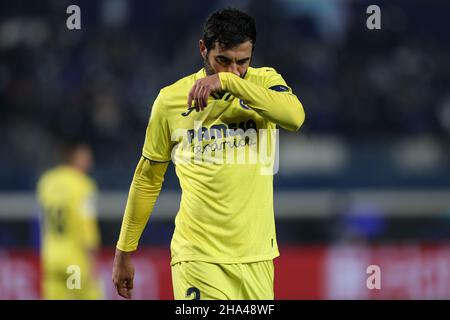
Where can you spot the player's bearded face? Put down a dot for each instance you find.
(235, 60)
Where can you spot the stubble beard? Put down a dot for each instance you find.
(208, 68)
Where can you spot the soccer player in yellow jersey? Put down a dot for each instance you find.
(69, 230)
(224, 241)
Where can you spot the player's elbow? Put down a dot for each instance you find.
(297, 117)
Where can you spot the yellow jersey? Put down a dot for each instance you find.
(226, 212)
(67, 198)
(225, 158)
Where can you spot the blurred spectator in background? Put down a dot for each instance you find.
(70, 235)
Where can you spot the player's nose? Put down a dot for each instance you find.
(233, 68)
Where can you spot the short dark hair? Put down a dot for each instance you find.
(229, 27)
(69, 145)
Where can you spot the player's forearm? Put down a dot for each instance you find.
(282, 108)
(144, 191)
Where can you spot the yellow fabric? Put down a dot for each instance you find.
(247, 281)
(226, 210)
(69, 231)
(144, 191)
(282, 108)
(55, 281)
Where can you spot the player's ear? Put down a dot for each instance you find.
(202, 48)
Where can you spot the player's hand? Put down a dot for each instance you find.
(123, 273)
(201, 90)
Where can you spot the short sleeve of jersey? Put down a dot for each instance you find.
(274, 81)
(157, 145)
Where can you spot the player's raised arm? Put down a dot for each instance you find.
(276, 102)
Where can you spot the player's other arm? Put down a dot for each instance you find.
(275, 102)
(144, 191)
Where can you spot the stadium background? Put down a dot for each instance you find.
(365, 181)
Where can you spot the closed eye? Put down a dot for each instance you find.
(226, 61)
(222, 60)
(243, 61)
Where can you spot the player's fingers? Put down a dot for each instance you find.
(198, 103)
(191, 96)
(201, 93)
(123, 291)
(120, 287)
(130, 284)
(194, 97)
(206, 94)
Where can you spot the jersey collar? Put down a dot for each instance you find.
(200, 74)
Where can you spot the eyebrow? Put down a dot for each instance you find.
(226, 58)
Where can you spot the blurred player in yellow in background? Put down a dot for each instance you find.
(69, 230)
